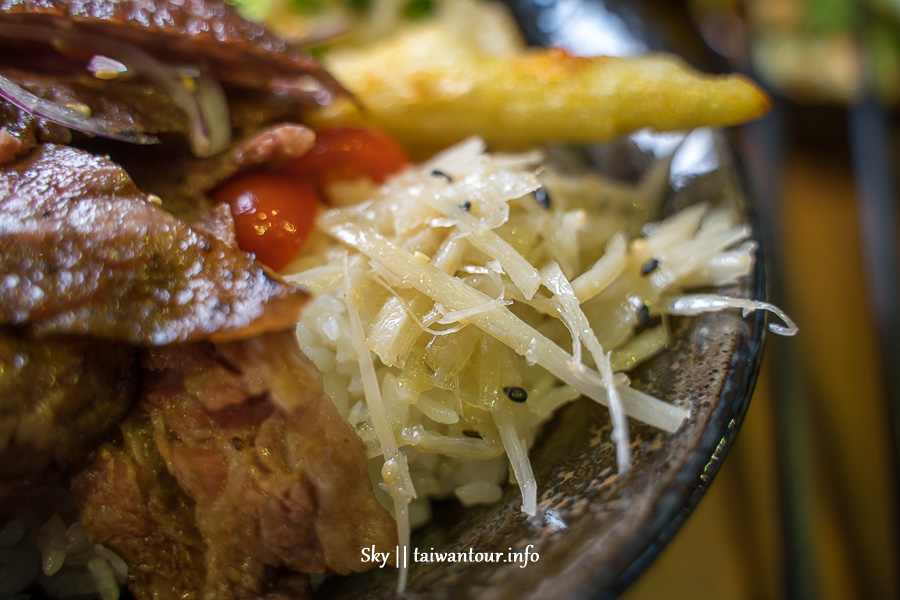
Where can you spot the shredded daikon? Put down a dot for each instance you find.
(695, 304)
(395, 472)
(570, 311)
(444, 338)
(453, 316)
(499, 322)
(516, 449)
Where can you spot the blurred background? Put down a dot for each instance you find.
(806, 506)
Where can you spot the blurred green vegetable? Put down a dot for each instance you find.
(831, 51)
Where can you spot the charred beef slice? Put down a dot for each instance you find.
(237, 52)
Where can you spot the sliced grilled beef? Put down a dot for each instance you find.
(89, 268)
(83, 251)
(236, 51)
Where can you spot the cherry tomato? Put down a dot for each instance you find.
(273, 215)
(347, 152)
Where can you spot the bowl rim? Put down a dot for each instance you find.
(732, 402)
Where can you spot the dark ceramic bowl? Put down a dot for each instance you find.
(596, 531)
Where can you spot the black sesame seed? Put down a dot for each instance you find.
(643, 316)
(466, 205)
(542, 197)
(649, 266)
(645, 320)
(516, 394)
(472, 434)
(439, 173)
(238, 444)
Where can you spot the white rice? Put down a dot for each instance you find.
(59, 557)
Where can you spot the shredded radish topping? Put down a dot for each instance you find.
(471, 286)
(395, 471)
(695, 304)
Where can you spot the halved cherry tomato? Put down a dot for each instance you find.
(273, 215)
(346, 152)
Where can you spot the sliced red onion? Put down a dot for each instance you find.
(210, 131)
(213, 109)
(69, 117)
(207, 110)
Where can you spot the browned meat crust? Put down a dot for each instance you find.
(82, 251)
(256, 469)
(133, 504)
(57, 399)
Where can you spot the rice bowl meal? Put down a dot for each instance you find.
(263, 318)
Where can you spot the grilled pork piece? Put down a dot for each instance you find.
(250, 465)
(82, 383)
